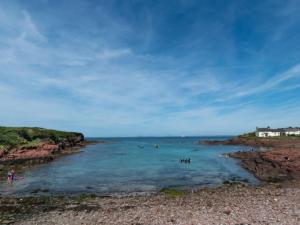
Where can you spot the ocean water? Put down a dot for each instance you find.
(128, 165)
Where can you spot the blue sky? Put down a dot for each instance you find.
(138, 68)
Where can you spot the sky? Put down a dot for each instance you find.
(150, 68)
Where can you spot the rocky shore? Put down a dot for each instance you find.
(276, 201)
(30, 145)
(279, 161)
(22, 148)
(236, 204)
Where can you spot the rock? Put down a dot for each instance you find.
(37, 143)
(2, 152)
(271, 165)
(227, 211)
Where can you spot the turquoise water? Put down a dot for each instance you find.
(134, 165)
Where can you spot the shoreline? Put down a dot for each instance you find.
(247, 159)
(270, 203)
(259, 163)
(44, 192)
(280, 160)
(21, 164)
(231, 203)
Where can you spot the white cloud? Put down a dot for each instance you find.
(114, 53)
(114, 90)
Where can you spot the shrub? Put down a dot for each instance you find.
(11, 137)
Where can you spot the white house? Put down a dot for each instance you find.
(268, 132)
(292, 131)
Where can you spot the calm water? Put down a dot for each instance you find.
(121, 166)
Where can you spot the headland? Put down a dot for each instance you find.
(272, 158)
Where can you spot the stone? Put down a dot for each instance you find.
(227, 211)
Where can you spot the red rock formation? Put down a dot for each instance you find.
(280, 162)
(43, 150)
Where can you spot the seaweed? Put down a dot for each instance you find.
(170, 192)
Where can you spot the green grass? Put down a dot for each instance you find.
(249, 135)
(32, 144)
(11, 137)
(253, 136)
(172, 192)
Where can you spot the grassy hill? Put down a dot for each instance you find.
(11, 137)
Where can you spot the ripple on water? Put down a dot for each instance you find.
(123, 167)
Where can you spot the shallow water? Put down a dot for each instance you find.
(134, 165)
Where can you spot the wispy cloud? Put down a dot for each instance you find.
(114, 53)
(29, 29)
(141, 71)
(272, 83)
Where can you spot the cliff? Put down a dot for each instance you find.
(23, 143)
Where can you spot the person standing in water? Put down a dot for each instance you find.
(11, 177)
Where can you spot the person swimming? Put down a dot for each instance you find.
(185, 160)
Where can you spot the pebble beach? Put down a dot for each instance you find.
(237, 204)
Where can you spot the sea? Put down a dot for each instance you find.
(134, 165)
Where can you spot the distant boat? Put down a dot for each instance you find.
(156, 145)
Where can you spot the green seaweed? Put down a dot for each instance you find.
(172, 192)
(83, 197)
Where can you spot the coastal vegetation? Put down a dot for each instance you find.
(31, 145)
(31, 137)
(248, 135)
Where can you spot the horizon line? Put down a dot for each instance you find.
(171, 136)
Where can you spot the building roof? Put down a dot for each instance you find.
(292, 129)
(268, 129)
